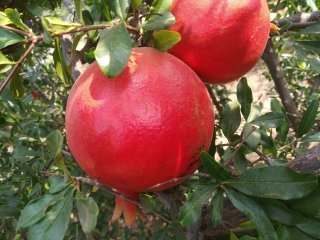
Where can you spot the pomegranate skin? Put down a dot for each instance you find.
(144, 127)
(221, 40)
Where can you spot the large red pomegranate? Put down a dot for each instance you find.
(221, 40)
(142, 128)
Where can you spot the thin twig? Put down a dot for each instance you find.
(174, 180)
(214, 99)
(262, 156)
(15, 68)
(95, 183)
(28, 34)
(244, 139)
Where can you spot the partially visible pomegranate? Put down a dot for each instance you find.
(142, 128)
(221, 40)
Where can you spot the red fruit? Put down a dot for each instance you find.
(142, 128)
(221, 40)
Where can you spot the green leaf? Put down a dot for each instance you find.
(248, 238)
(4, 20)
(161, 6)
(230, 119)
(311, 227)
(8, 38)
(311, 57)
(217, 208)
(78, 7)
(164, 39)
(255, 136)
(105, 9)
(312, 5)
(88, 212)
(244, 95)
(191, 210)
(312, 137)
(7, 212)
(308, 118)
(14, 17)
(55, 222)
(17, 88)
(233, 236)
(279, 212)
(120, 7)
(309, 205)
(36, 209)
(54, 142)
(60, 63)
(270, 120)
(87, 17)
(213, 167)
(159, 22)
(275, 182)
(136, 4)
(148, 202)
(312, 46)
(282, 130)
(314, 29)
(113, 50)
(240, 162)
(292, 233)
(57, 25)
(254, 212)
(4, 60)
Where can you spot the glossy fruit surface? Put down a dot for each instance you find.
(221, 39)
(144, 127)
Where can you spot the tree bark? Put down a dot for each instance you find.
(272, 60)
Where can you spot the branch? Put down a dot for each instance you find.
(309, 162)
(272, 60)
(15, 68)
(244, 139)
(299, 20)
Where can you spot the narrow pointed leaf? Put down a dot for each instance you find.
(54, 142)
(88, 211)
(270, 120)
(60, 63)
(4, 60)
(275, 182)
(161, 6)
(311, 227)
(191, 210)
(308, 118)
(164, 39)
(213, 167)
(159, 22)
(14, 17)
(217, 208)
(279, 212)
(113, 50)
(244, 95)
(54, 224)
(8, 38)
(17, 88)
(254, 212)
(120, 7)
(230, 119)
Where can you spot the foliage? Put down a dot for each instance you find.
(40, 198)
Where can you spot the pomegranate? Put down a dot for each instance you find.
(221, 40)
(142, 128)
